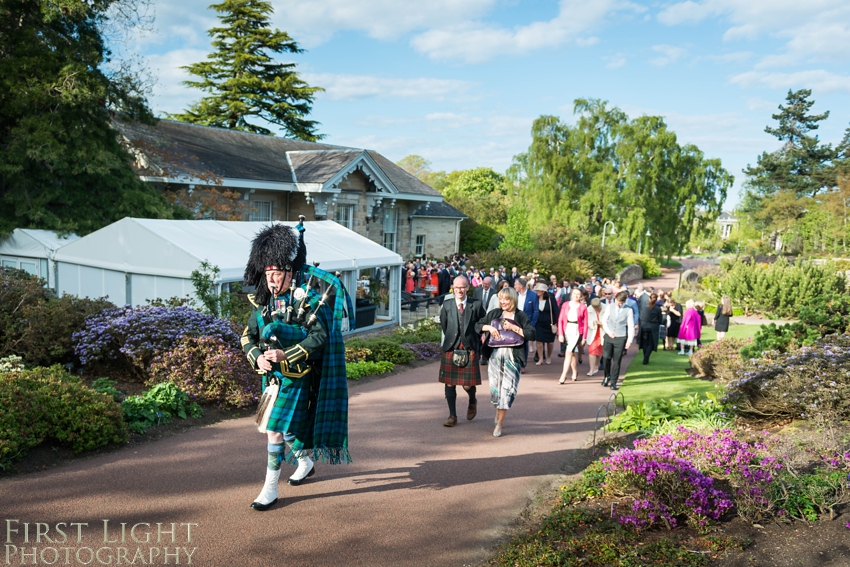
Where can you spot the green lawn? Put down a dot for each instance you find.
(665, 376)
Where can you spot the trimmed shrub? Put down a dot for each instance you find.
(132, 336)
(778, 289)
(811, 383)
(207, 369)
(357, 370)
(50, 403)
(720, 360)
(356, 354)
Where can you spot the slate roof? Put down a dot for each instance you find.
(438, 210)
(200, 150)
(726, 216)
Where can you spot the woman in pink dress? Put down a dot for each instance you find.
(594, 334)
(572, 328)
(690, 330)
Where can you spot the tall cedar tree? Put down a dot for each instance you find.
(243, 80)
(61, 165)
(802, 166)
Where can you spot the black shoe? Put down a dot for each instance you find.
(296, 482)
(262, 507)
(646, 362)
(605, 381)
(614, 386)
(536, 357)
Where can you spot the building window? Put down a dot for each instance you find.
(420, 245)
(262, 211)
(390, 224)
(345, 216)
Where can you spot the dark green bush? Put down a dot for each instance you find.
(47, 403)
(37, 325)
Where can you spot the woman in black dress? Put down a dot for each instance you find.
(722, 316)
(649, 333)
(545, 320)
(674, 320)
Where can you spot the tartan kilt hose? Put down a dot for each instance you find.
(451, 375)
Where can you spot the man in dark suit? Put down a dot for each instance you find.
(528, 302)
(444, 280)
(458, 316)
(484, 292)
(512, 277)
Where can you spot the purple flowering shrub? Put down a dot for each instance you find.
(132, 336)
(208, 369)
(748, 468)
(720, 360)
(424, 351)
(662, 488)
(812, 383)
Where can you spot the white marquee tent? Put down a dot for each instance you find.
(135, 260)
(33, 251)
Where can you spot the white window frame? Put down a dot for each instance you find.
(390, 228)
(419, 251)
(257, 214)
(344, 216)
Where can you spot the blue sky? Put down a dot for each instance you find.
(459, 82)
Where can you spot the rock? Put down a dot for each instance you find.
(630, 273)
(689, 278)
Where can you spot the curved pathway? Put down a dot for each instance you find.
(418, 493)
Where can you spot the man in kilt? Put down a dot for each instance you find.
(458, 316)
(301, 357)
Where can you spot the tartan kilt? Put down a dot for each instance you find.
(451, 375)
(292, 412)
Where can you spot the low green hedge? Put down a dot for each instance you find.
(382, 349)
(357, 370)
(49, 402)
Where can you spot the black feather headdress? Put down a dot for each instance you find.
(276, 247)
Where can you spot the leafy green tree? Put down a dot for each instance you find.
(480, 193)
(633, 173)
(518, 230)
(61, 165)
(243, 80)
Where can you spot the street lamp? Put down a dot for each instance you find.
(641, 240)
(604, 226)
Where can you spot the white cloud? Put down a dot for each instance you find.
(615, 61)
(476, 42)
(819, 80)
(316, 21)
(669, 54)
(347, 87)
(587, 42)
(168, 94)
(819, 29)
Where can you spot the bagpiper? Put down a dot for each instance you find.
(293, 338)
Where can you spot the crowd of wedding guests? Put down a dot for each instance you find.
(505, 320)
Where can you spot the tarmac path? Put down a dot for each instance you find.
(417, 494)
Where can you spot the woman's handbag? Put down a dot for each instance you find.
(552, 317)
(460, 357)
(507, 338)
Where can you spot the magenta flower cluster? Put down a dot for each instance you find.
(748, 467)
(136, 334)
(662, 488)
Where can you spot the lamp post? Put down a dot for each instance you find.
(641, 240)
(605, 226)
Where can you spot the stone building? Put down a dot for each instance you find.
(280, 179)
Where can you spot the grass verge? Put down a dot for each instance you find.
(666, 377)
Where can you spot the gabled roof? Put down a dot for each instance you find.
(34, 243)
(196, 151)
(438, 210)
